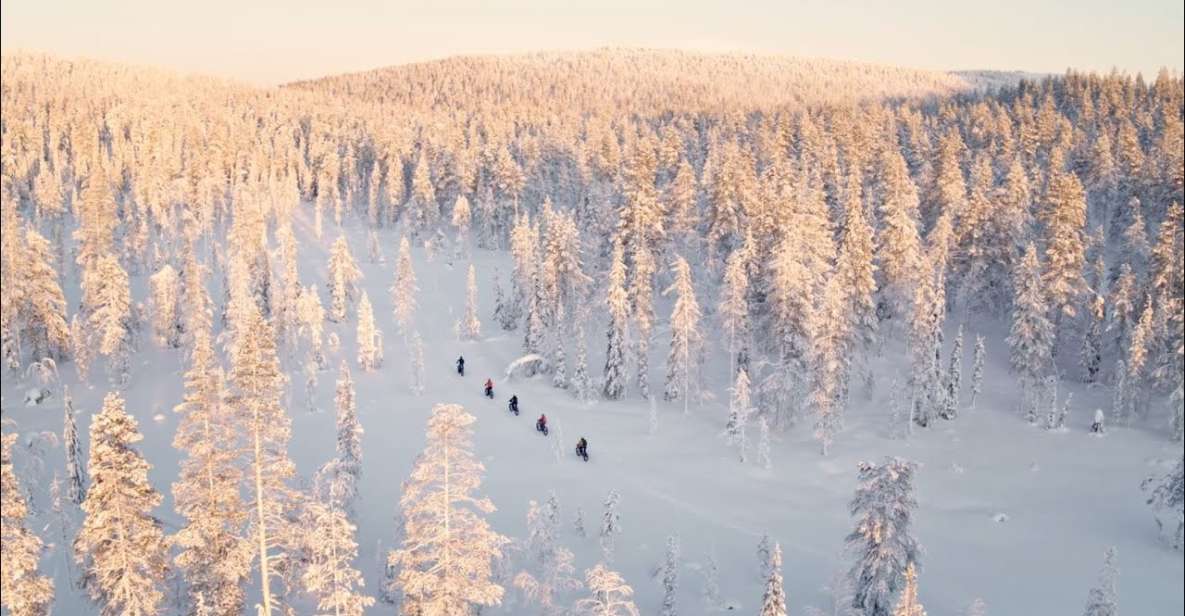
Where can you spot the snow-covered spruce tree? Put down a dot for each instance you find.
(75, 475)
(581, 383)
(502, 312)
(882, 541)
(610, 525)
(925, 345)
(559, 358)
(370, 338)
(1136, 401)
(641, 292)
(1103, 599)
(471, 326)
(349, 438)
(404, 290)
(578, 523)
(686, 340)
(23, 592)
(899, 247)
(462, 216)
(1090, 353)
(773, 601)
(417, 364)
(1121, 310)
(765, 551)
(1167, 495)
(1064, 221)
(908, 603)
(670, 577)
(954, 378)
(374, 249)
(257, 385)
(832, 352)
(610, 595)
(734, 308)
(166, 308)
(980, 356)
(110, 321)
(739, 406)
(855, 271)
(312, 324)
(120, 546)
(764, 447)
(329, 574)
(554, 562)
(535, 330)
(286, 297)
(39, 302)
(617, 303)
(214, 557)
(448, 549)
(422, 211)
(1031, 338)
(524, 245)
(343, 280)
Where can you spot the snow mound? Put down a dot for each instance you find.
(35, 396)
(526, 366)
(1000, 517)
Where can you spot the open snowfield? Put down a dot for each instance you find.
(1007, 512)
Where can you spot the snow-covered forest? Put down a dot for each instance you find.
(842, 339)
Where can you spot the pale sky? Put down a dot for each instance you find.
(273, 41)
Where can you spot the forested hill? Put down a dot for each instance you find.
(635, 81)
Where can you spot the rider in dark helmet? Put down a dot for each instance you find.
(582, 448)
(489, 388)
(514, 404)
(461, 366)
(541, 424)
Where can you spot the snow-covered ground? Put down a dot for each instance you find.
(1010, 513)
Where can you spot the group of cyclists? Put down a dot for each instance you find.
(540, 424)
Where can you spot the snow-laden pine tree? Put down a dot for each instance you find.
(329, 574)
(734, 308)
(121, 546)
(1103, 599)
(75, 475)
(1167, 496)
(925, 346)
(404, 290)
(773, 601)
(446, 558)
(471, 326)
(286, 297)
(882, 541)
(462, 216)
(370, 338)
(610, 594)
(765, 551)
(502, 310)
(23, 591)
(1136, 362)
(980, 356)
(166, 307)
(610, 525)
(1090, 353)
(349, 438)
(908, 603)
(686, 339)
(670, 577)
(1031, 338)
(214, 556)
(257, 386)
(954, 378)
(110, 323)
(617, 303)
(578, 523)
(343, 280)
